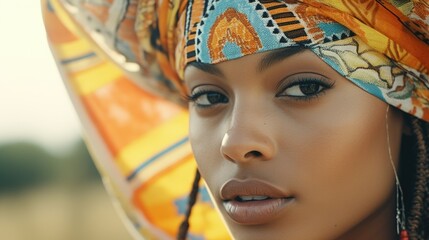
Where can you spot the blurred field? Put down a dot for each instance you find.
(48, 197)
(52, 193)
(51, 213)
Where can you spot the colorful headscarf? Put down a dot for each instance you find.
(382, 46)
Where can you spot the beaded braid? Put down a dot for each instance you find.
(418, 214)
(184, 226)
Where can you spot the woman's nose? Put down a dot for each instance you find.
(248, 140)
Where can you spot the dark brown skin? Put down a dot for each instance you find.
(324, 144)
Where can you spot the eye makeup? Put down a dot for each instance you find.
(203, 97)
(304, 86)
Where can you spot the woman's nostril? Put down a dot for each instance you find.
(253, 154)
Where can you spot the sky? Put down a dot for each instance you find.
(34, 104)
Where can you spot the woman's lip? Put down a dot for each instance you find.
(256, 211)
(250, 187)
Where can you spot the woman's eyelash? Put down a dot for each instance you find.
(321, 83)
(207, 98)
(194, 96)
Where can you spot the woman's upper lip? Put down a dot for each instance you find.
(250, 187)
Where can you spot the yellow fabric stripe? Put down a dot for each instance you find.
(76, 49)
(73, 49)
(152, 143)
(166, 161)
(92, 79)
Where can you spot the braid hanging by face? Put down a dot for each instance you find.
(418, 214)
(184, 226)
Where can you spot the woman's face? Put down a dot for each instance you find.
(290, 149)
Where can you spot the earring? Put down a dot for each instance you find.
(400, 207)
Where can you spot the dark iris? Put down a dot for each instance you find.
(309, 88)
(216, 98)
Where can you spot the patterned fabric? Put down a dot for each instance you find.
(162, 37)
(371, 43)
(123, 61)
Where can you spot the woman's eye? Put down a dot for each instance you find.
(304, 89)
(208, 98)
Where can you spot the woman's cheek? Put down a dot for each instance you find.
(205, 144)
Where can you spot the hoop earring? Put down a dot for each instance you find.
(400, 207)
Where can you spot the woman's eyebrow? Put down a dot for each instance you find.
(208, 68)
(277, 56)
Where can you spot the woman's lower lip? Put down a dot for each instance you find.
(255, 212)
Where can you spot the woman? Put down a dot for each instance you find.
(308, 119)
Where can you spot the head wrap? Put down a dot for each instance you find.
(382, 46)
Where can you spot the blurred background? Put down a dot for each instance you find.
(49, 187)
